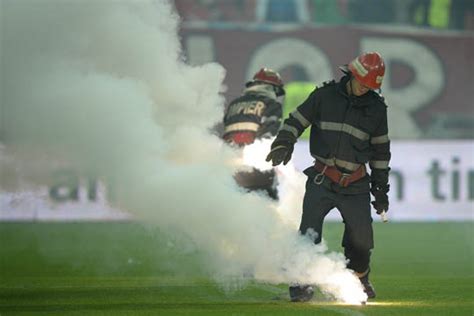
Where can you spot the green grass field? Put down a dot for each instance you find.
(128, 269)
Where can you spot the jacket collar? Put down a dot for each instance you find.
(266, 90)
(362, 101)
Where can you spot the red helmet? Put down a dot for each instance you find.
(368, 69)
(269, 76)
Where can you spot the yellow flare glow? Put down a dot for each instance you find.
(401, 303)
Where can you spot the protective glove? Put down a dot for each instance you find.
(281, 152)
(381, 197)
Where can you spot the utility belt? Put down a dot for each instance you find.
(336, 176)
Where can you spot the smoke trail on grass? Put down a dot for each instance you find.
(102, 87)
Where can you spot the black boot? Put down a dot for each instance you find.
(301, 293)
(368, 288)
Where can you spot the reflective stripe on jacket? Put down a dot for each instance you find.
(346, 131)
(257, 111)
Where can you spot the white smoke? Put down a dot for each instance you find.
(102, 86)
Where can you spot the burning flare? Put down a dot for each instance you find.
(254, 154)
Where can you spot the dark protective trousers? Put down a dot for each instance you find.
(355, 210)
(257, 180)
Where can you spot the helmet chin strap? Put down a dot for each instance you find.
(350, 86)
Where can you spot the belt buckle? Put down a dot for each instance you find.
(343, 179)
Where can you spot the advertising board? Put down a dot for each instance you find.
(430, 181)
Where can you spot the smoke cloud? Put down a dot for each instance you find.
(103, 87)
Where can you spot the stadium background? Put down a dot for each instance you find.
(62, 250)
(427, 87)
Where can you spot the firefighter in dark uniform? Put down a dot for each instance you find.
(255, 115)
(348, 122)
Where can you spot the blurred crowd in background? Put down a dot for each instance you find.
(436, 14)
(431, 93)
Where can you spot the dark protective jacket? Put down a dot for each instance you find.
(346, 132)
(255, 114)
